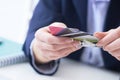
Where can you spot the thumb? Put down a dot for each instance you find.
(100, 35)
(56, 28)
(58, 24)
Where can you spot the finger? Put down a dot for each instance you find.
(100, 35)
(118, 58)
(72, 50)
(58, 24)
(115, 53)
(53, 55)
(65, 52)
(50, 39)
(110, 37)
(56, 47)
(113, 46)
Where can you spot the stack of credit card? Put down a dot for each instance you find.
(87, 40)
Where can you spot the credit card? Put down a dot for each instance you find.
(86, 39)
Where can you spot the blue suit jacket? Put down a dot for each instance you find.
(74, 14)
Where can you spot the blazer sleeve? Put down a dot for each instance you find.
(45, 13)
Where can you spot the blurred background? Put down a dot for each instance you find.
(14, 18)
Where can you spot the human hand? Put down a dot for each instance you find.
(47, 47)
(110, 41)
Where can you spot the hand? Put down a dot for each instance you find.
(110, 41)
(47, 47)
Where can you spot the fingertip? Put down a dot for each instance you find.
(99, 34)
(58, 24)
(95, 34)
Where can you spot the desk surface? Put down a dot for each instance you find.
(68, 70)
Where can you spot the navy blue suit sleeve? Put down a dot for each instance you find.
(45, 13)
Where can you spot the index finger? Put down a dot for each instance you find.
(100, 35)
(45, 36)
(110, 37)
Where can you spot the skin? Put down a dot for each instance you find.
(47, 47)
(110, 41)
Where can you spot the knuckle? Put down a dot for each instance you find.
(37, 33)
